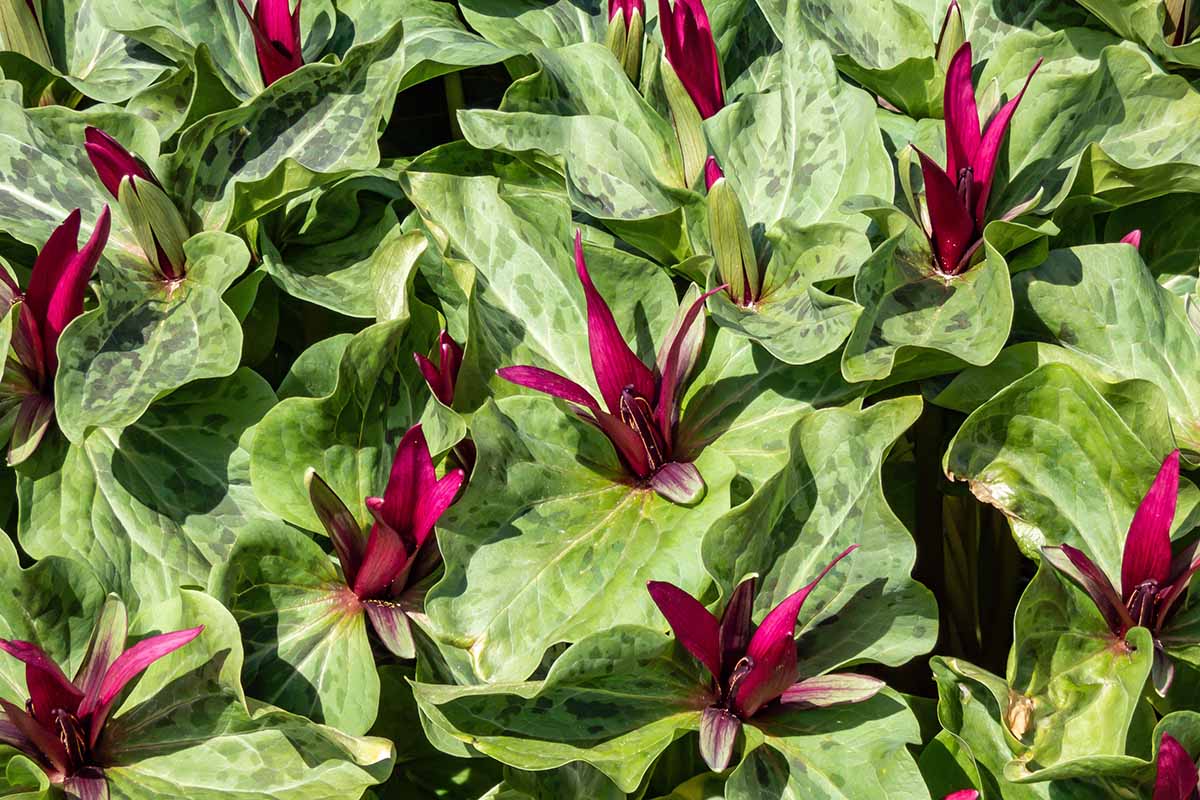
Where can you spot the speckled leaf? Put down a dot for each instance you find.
(800, 151)
(1141, 21)
(527, 305)
(187, 729)
(1100, 118)
(1054, 454)
(154, 505)
(54, 603)
(907, 304)
(300, 131)
(551, 542)
(349, 435)
(840, 753)
(525, 25)
(305, 635)
(1102, 303)
(145, 339)
(828, 497)
(620, 156)
(614, 700)
(793, 319)
(1085, 688)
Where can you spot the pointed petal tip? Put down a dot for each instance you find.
(712, 172)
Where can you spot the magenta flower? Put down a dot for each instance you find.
(641, 404)
(277, 42)
(442, 376)
(1176, 777)
(155, 220)
(384, 570)
(57, 287)
(691, 51)
(1134, 237)
(751, 668)
(62, 722)
(1151, 579)
(957, 197)
(626, 8)
(963, 794)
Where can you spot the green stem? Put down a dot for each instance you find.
(455, 100)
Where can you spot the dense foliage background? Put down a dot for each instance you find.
(873, 329)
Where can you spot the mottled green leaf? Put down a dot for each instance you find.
(1053, 453)
(1141, 21)
(551, 541)
(526, 25)
(827, 498)
(305, 634)
(154, 505)
(147, 338)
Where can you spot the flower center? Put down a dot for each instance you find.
(1142, 602)
(966, 185)
(638, 415)
(73, 737)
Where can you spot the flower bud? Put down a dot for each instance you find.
(952, 36)
(733, 248)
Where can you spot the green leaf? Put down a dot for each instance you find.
(349, 433)
(55, 604)
(614, 700)
(828, 497)
(187, 730)
(157, 504)
(304, 632)
(1102, 303)
(621, 158)
(190, 94)
(526, 25)
(1053, 453)
(909, 307)
(839, 753)
(317, 123)
(147, 338)
(1141, 21)
(551, 542)
(794, 320)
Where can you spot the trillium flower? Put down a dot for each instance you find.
(626, 29)
(62, 723)
(1176, 777)
(957, 197)
(384, 569)
(442, 378)
(751, 668)
(733, 247)
(691, 73)
(1152, 580)
(276, 32)
(55, 297)
(1134, 237)
(156, 222)
(641, 404)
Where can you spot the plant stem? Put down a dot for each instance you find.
(455, 100)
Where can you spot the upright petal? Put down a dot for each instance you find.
(343, 529)
(961, 113)
(386, 557)
(736, 624)
(984, 161)
(692, 53)
(1080, 569)
(1147, 553)
(963, 794)
(48, 687)
(718, 734)
(1134, 237)
(129, 665)
(615, 365)
(712, 172)
(106, 645)
(772, 648)
(412, 475)
(953, 227)
(1177, 777)
(112, 161)
(694, 627)
(44, 741)
(277, 46)
(683, 349)
(443, 376)
(434, 502)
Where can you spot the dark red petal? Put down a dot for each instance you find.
(1134, 237)
(615, 365)
(736, 623)
(49, 687)
(66, 297)
(112, 161)
(134, 662)
(692, 53)
(385, 558)
(411, 477)
(695, 628)
(961, 113)
(1177, 777)
(963, 794)
(43, 738)
(553, 384)
(953, 227)
(343, 529)
(1147, 553)
(712, 172)
(105, 647)
(626, 442)
(780, 623)
(50, 265)
(678, 363)
(433, 377)
(718, 733)
(434, 502)
(989, 148)
(1080, 569)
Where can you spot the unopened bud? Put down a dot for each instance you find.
(733, 248)
(687, 121)
(952, 36)
(157, 225)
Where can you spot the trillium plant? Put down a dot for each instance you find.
(641, 403)
(753, 669)
(62, 725)
(620, 399)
